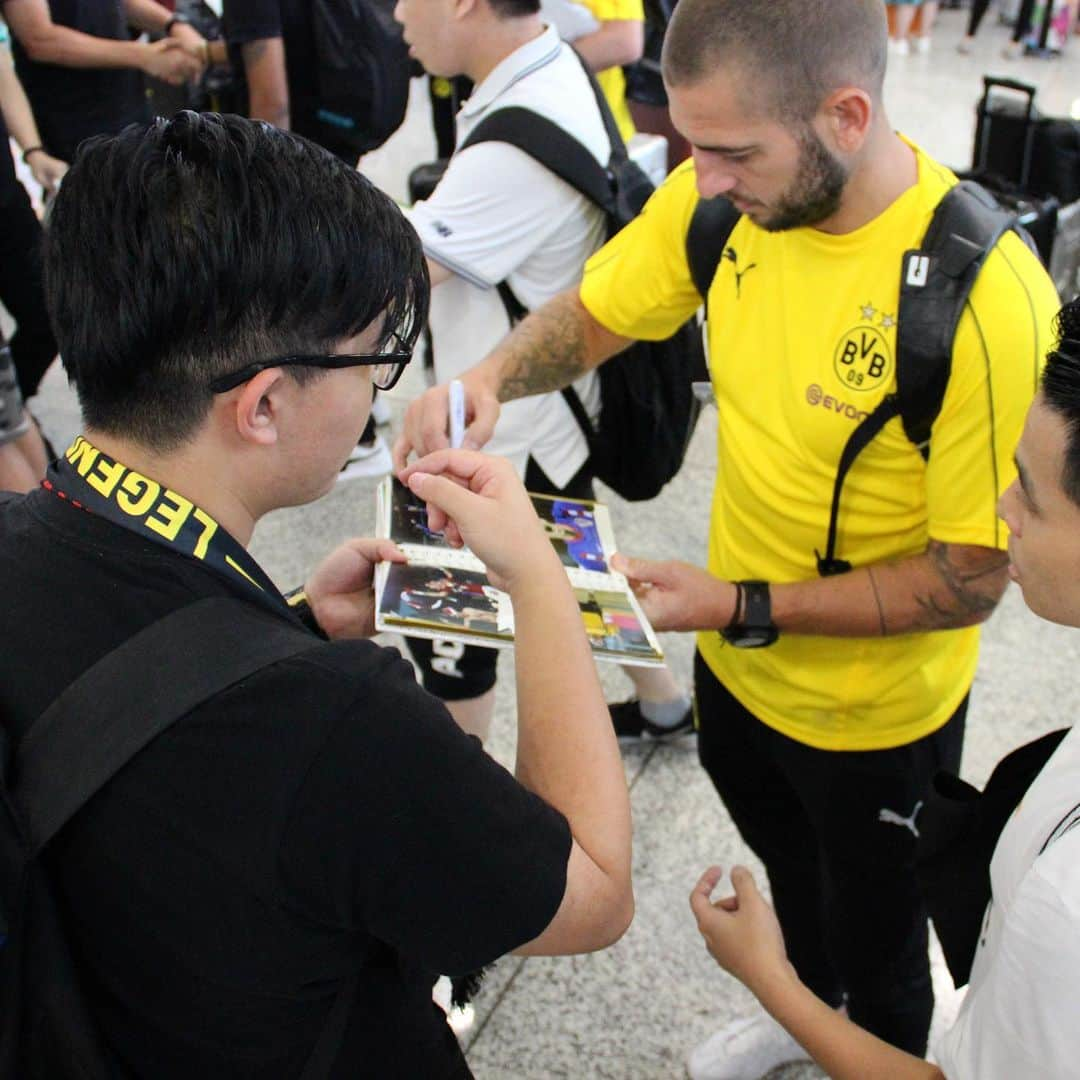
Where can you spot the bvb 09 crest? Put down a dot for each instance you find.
(863, 358)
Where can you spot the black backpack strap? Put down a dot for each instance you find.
(828, 564)
(560, 153)
(64, 760)
(147, 683)
(935, 284)
(550, 146)
(711, 227)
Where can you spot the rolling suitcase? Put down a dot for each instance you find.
(1031, 163)
(1015, 143)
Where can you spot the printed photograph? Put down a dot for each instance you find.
(612, 625)
(408, 519)
(571, 526)
(437, 596)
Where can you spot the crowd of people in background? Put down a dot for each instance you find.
(227, 294)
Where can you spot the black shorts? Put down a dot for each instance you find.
(456, 672)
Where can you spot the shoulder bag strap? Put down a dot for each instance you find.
(935, 284)
(936, 280)
(560, 153)
(550, 146)
(711, 227)
(133, 694)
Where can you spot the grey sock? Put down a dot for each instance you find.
(666, 713)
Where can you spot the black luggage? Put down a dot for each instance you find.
(1015, 143)
(1031, 163)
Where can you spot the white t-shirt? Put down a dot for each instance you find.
(497, 215)
(1021, 1017)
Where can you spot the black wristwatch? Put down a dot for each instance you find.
(751, 625)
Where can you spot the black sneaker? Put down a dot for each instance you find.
(631, 726)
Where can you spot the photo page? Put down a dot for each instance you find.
(443, 592)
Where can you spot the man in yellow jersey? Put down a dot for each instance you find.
(821, 744)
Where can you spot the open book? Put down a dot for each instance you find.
(443, 592)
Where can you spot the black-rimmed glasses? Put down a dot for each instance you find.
(388, 365)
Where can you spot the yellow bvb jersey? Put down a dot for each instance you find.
(612, 81)
(802, 335)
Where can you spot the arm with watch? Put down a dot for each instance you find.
(155, 18)
(946, 587)
(47, 42)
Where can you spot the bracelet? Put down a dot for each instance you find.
(32, 150)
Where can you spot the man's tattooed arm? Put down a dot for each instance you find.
(552, 347)
(970, 582)
(945, 587)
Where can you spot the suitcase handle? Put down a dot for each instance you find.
(990, 81)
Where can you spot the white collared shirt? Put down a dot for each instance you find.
(1021, 1017)
(498, 215)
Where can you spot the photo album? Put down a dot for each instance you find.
(443, 592)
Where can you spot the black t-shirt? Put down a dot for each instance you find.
(71, 104)
(290, 20)
(325, 815)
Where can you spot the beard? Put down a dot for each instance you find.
(816, 191)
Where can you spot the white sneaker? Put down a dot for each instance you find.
(963, 46)
(922, 43)
(367, 460)
(899, 46)
(745, 1049)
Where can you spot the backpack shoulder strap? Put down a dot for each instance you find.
(936, 281)
(711, 227)
(550, 146)
(133, 694)
(560, 153)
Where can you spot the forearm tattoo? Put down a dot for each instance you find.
(971, 591)
(545, 352)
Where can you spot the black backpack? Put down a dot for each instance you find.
(935, 282)
(648, 408)
(363, 71)
(96, 726)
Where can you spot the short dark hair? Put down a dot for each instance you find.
(1061, 391)
(187, 249)
(509, 9)
(800, 51)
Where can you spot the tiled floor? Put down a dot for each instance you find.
(631, 1013)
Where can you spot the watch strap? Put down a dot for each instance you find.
(757, 604)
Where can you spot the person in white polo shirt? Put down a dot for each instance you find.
(499, 216)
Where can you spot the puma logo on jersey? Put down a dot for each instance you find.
(891, 817)
(732, 256)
